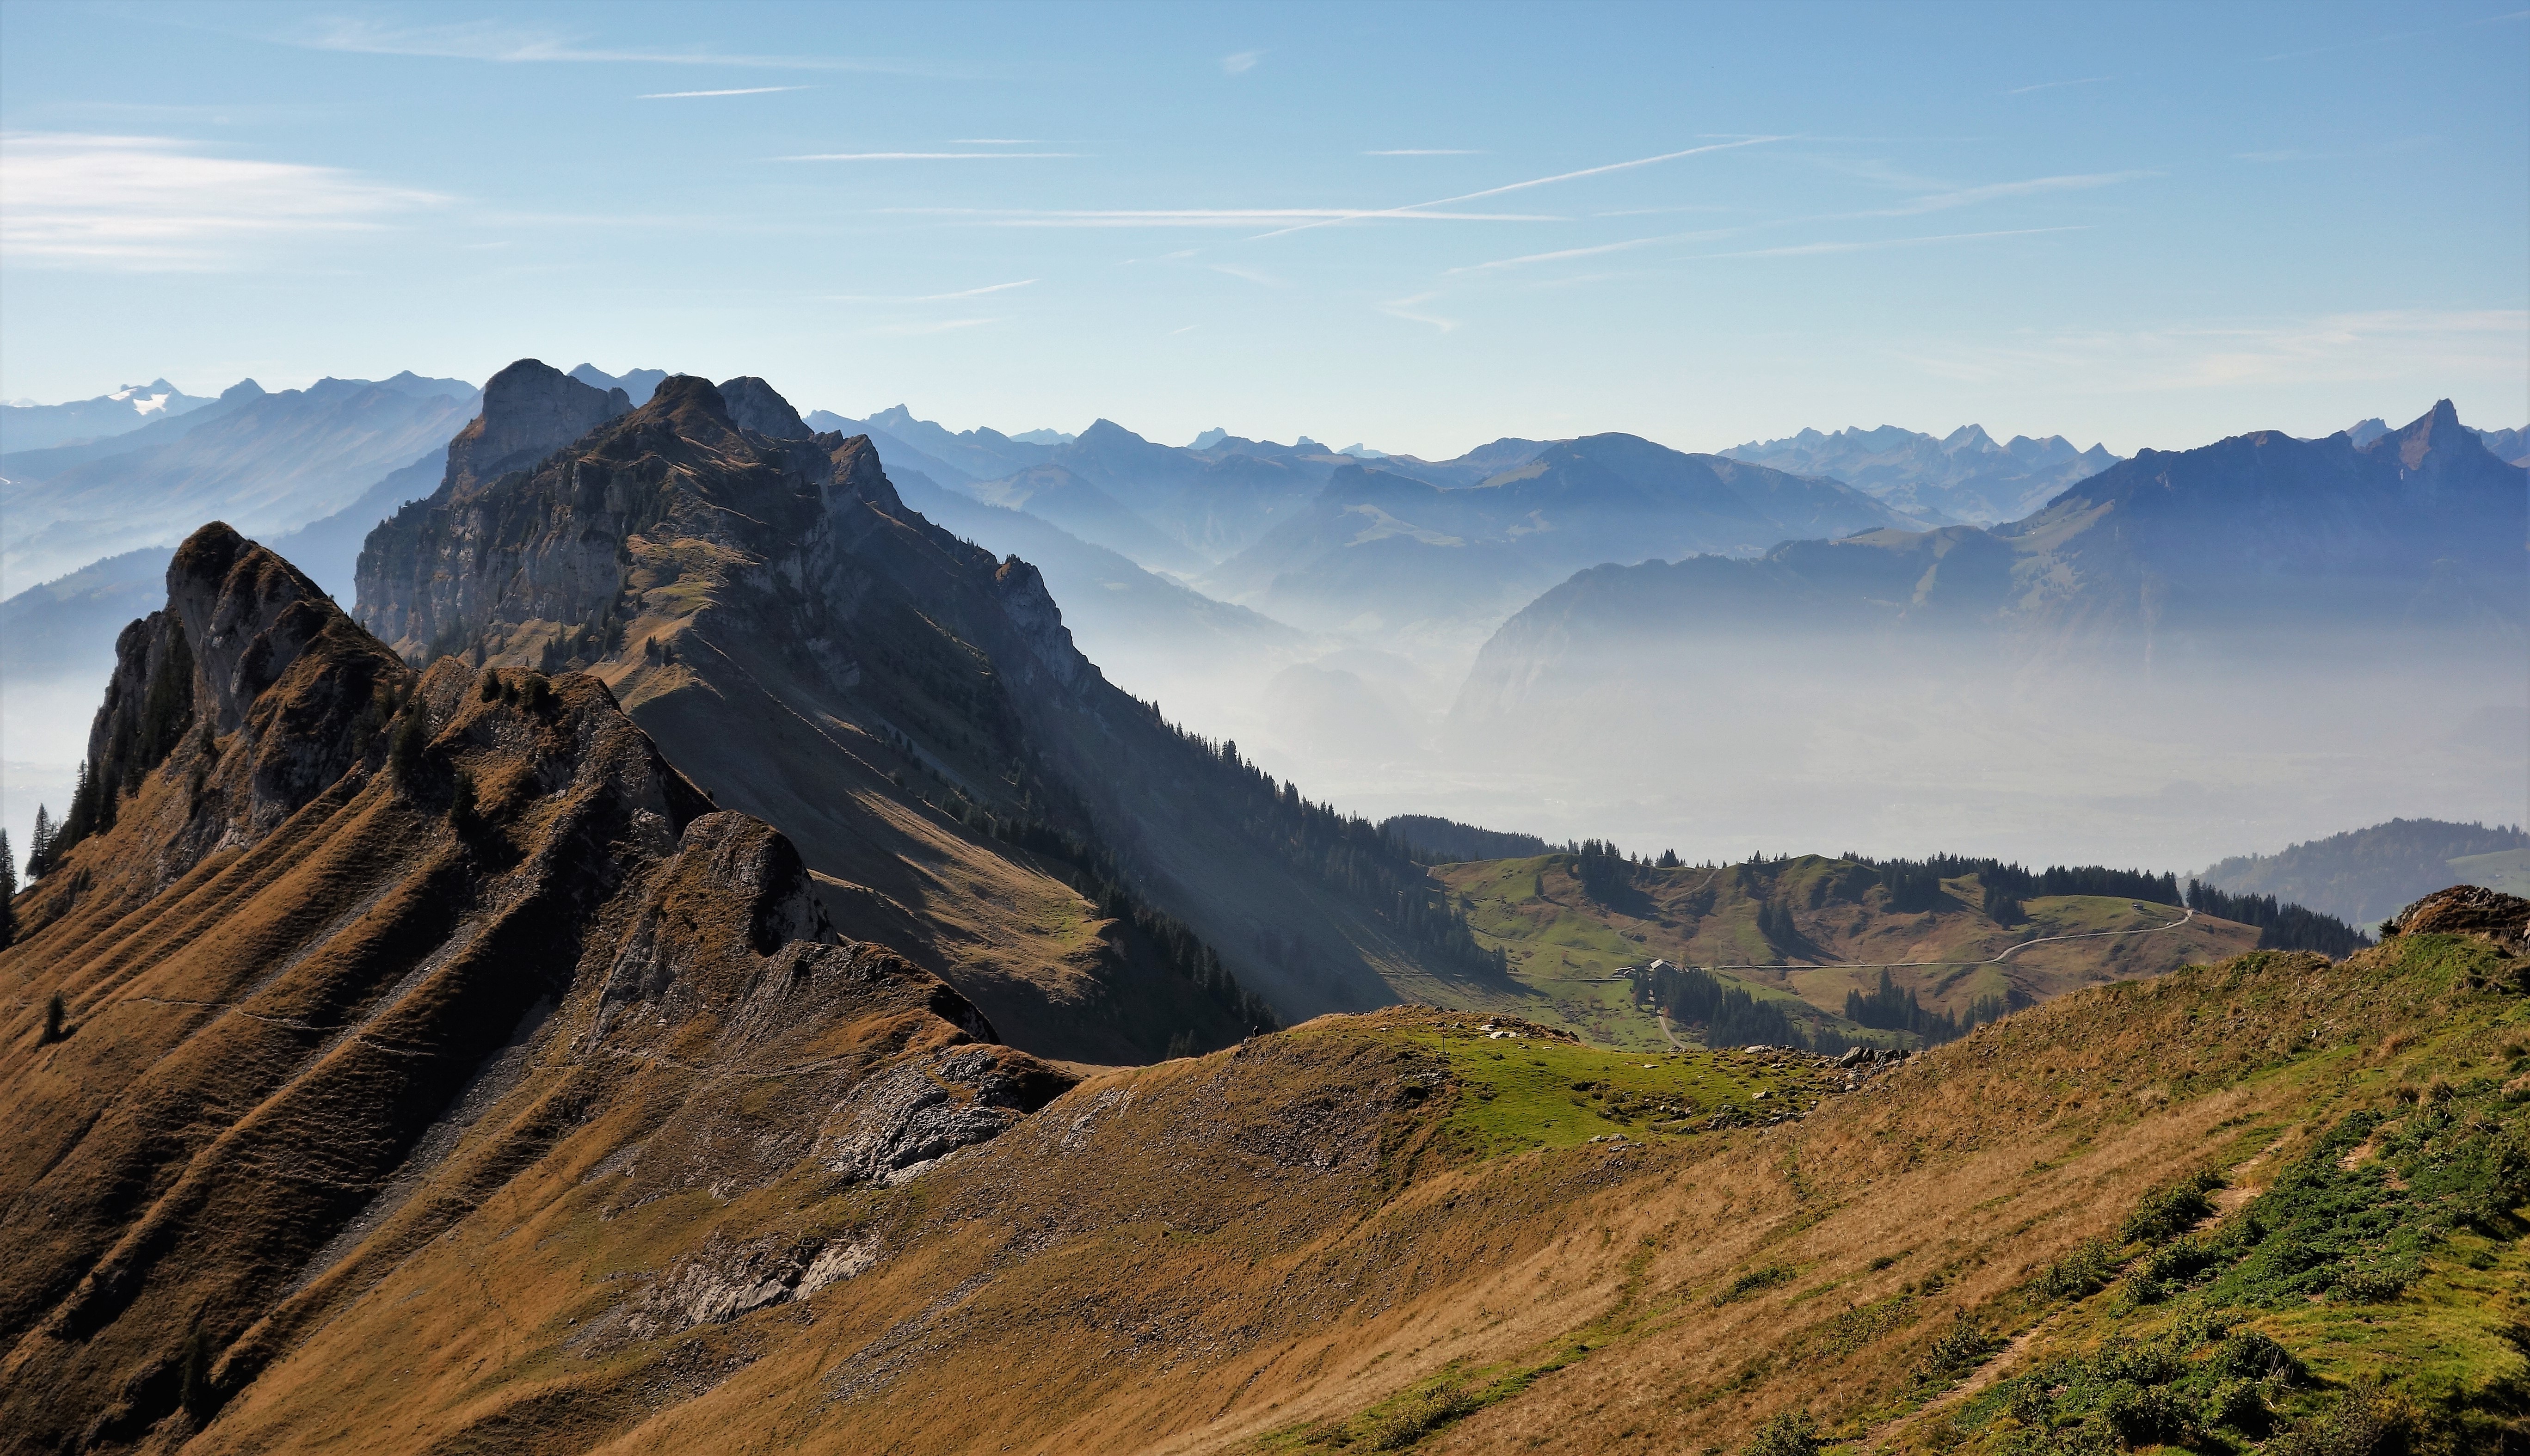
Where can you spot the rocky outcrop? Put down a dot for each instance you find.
(754, 406)
(895, 1126)
(2473, 910)
(531, 409)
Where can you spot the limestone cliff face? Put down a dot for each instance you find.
(754, 406)
(531, 409)
(721, 489)
(362, 944)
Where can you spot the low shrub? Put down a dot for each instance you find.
(1791, 1433)
(2166, 1213)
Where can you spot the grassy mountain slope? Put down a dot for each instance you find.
(1395, 1231)
(1566, 943)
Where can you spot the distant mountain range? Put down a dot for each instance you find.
(2367, 875)
(32, 426)
(636, 383)
(1963, 476)
(2512, 447)
(2423, 525)
(1390, 544)
(264, 461)
(2234, 639)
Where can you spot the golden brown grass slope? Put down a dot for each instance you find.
(1384, 1231)
(360, 947)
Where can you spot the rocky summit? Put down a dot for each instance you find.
(912, 712)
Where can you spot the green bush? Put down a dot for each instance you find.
(1960, 1349)
(1791, 1433)
(2166, 1213)
(1764, 1276)
(1418, 1416)
(2081, 1272)
(2368, 1422)
(2251, 1356)
(2142, 1415)
(2239, 1404)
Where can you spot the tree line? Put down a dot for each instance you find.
(2281, 927)
(1888, 1008)
(1364, 862)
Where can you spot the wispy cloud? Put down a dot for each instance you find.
(160, 202)
(1242, 62)
(733, 91)
(928, 156)
(1659, 211)
(1812, 249)
(1251, 275)
(1188, 329)
(2049, 85)
(990, 288)
(1410, 310)
(500, 41)
(1424, 151)
(939, 326)
(1413, 208)
(1969, 197)
(1563, 253)
(1209, 217)
(994, 141)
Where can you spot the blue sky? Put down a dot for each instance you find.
(1422, 226)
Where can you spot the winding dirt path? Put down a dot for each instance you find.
(1983, 1376)
(1997, 959)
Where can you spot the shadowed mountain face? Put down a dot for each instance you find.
(912, 712)
(341, 928)
(1962, 476)
(1380, 544)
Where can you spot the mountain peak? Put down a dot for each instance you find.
(755, 405)
(1107, 431)
(531, 409)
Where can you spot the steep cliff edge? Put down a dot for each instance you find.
(912, 712)
(352, 942)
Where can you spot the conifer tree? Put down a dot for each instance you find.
(8, 893)
(39, 844)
